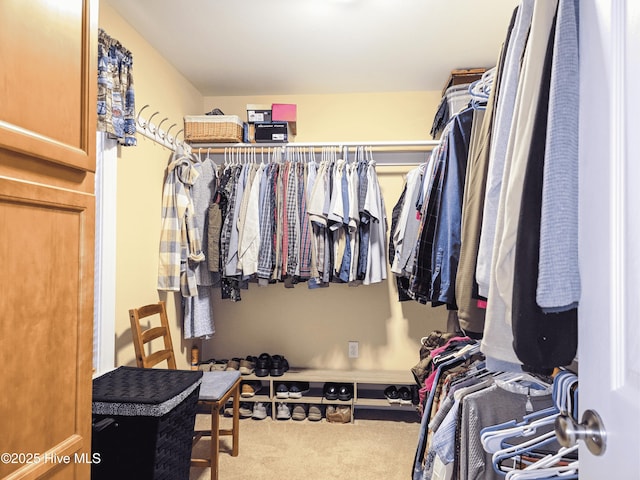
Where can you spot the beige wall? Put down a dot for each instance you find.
(140, 179)
(348, 117)
(310, 328)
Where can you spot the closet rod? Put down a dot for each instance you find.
(401, 144)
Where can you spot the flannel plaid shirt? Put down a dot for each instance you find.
(279, 197)
(293, 227)
(267, 223)
(179, 239)
(420, 287)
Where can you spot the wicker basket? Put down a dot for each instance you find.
(213, 128)
(149, 414)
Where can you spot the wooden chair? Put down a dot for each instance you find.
(216, 388)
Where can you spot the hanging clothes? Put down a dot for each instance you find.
(505, 107)
(438, 246)
(180, 241)
(266, 261)
(556, 332)
(293, 220)
(471, 311)
(497, 177)
(497, 342)
(198, 317)
(461, 399)
(376, 270)
(558, 279)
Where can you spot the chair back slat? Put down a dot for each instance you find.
(143, 337)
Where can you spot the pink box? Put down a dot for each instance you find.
(285, 112)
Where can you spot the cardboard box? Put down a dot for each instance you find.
(258, 113)
(285, 112)
(275, 132)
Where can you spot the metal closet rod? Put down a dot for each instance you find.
(426, 144)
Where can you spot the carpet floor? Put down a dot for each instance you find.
(377, 445)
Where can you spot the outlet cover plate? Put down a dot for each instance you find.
(353, 349)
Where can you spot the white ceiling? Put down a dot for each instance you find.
(266, 47)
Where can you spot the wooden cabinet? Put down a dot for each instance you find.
(48, 54)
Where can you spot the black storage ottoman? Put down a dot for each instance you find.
(143, 423)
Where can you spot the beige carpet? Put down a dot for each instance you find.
(369, 448)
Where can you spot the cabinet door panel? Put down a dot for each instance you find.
(46, 302)
(47, 80)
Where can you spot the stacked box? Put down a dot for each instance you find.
(274, 132)
(285, 112)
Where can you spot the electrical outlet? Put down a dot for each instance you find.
(353, 349)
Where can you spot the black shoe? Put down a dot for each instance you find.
(415, 395)
(330, 391)
(277, 366)
(392, 395)
(263, 365)
(345, 392)
(405, 395)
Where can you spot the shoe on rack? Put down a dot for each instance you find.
(246, 410)
(249, 388)
(345, 392)
(263, 365)
(283, 412)
(330, 391)
(392, 395)
(206, 365)
(233, 364)
(338, 414)
(282, 391)
(277, 366)
(299, 412)
(220, 365)
(315, 413)
(259, 411)
(296, 389)
(405, 395)
(415, 395)
(248, 365)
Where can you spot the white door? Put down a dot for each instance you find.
(609, 315)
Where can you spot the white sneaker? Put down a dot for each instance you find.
(259, 411)
(283, 412)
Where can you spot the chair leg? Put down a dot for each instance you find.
(235, 434)
(215, 439)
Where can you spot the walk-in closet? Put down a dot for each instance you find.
(335, 238)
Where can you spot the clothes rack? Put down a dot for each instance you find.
(400, 144)
(386, 151)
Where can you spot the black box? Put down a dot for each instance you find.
(143, 423)
(275, 132)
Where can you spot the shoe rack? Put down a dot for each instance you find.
(367, 388)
